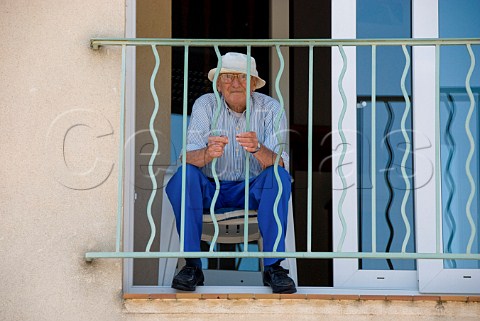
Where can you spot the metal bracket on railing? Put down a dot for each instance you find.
(94, 44)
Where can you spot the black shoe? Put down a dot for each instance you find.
(277, 277)
(188, 278)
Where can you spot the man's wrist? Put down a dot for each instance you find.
(257, 149)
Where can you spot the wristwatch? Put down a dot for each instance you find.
(256, 149)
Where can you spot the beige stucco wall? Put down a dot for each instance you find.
(50, 214)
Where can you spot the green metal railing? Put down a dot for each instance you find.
(310, 44)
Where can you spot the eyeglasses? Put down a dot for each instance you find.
(228, 78)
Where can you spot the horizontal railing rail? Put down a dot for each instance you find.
(299, 255)
(311, 44)
(97, 42)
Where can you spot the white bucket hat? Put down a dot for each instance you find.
(234, 62)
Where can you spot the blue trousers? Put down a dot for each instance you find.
(199, 194)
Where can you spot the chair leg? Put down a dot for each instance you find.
(290, 244)
(168, 241)
(260, 249)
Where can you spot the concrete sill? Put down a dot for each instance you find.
(294, 307)
(296, 296)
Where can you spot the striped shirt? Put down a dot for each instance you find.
(263, 114)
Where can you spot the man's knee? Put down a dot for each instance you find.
(282, 173)
(175, 183)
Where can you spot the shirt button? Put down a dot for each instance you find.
(238, 128)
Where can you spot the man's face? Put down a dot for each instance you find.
(233, 88)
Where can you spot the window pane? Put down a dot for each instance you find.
(460, 201)
(394, 164)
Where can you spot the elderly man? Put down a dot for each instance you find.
(229, 143)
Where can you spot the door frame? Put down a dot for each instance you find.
(433, 277)
(346, 272)
(279, 27)
(430, 276)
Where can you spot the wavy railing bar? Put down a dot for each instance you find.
(344, 150)
(407, 150)
(214, 162)
(95, 43)
(280, 151)
(471, 152)
(155, 150)
(449, 179)
(386, 175)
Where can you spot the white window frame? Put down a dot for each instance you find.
(279, 29)
(430, 276)
(347, 273)
(433, 277)
(129, 177)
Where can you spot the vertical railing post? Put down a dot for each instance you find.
(121, 154)
(184, 150)
(247, 155)
(374, 150)
(438, 202)
(310, 148)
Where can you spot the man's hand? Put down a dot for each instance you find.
(248, 141)
(216, 146)
(214, 149)
(265, 156)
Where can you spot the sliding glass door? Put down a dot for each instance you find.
(406, 171)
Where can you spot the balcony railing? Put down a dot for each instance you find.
(470, 251)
